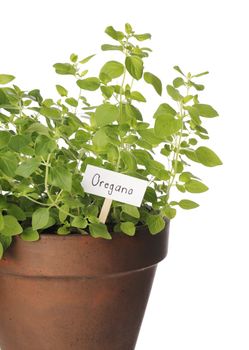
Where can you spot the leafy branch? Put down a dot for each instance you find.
(46, 145)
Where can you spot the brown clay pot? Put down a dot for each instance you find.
(77, 292)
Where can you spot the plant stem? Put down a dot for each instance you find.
(35, 201)
(53, 203)
(132, 81)
(176, 155)
(78, 100)
(120, 114)
(121, 91)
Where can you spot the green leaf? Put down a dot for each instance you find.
(28, 167)
(169, 212)
(194, 114)
(82, 74)
(61, 90)
(155, 223)
(112, 153)
(6, 241)
(133, 112)
(51, 222)
(150, 195)
(8, 164)
(192, 141)
(44, 145)
(174, 93)
(178, 82)
(149, 136)
(30, 235)
(4, 138)
(134, 66)
(106, 114)
(131, 210)
(111, 70)
(71, 101)
(60, 177)
(128, 228)
(198, 87)
(166, 151)
(87, 59)
(194, 186)
(99, 231)
(207, 157)
(6, 78)
(206, 111)
(18, 142)
(157, 169)
(4, 118)
(181, 188)
(16, 211)
(178, 69)
(190, 154)
(186, 176)
(107, 91)
(154, 81)
(11, 226)
(107, 47)
(40, 218)
(38, 128)
(36, 95)
(1, 250)
(136, 95)
(128, 28)
(142, 156)
(63, 213)
(187, 98)
(114, 34)
(200, 74)
(129, 160)
(90, 84)
(50, 112)
(64, 68)
(142, 37)
(188, 204)
(178, 166)
(100, 139)
(63, 230)
(79, 222)
(1, 222)
(167, 125)
(73, 57)
(144, 144)
(164, 108)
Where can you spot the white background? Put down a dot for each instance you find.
(200, 296)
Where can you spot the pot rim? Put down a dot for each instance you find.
(83, 256)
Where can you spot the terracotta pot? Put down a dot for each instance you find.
(77, 292)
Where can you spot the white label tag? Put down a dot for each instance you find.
(113, 185)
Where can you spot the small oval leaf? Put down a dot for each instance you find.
(207, 157)
(154, 81)
(6, 78)
(134, 66)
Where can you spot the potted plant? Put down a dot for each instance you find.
(69, 290)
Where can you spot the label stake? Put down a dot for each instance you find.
(105, 210)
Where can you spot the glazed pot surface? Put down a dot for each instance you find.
(77, 292)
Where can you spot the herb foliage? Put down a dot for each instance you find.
(46, 144)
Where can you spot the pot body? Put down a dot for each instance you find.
(77, 292)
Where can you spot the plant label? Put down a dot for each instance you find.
(113, 185)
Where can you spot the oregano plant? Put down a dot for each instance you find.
(47, 143)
